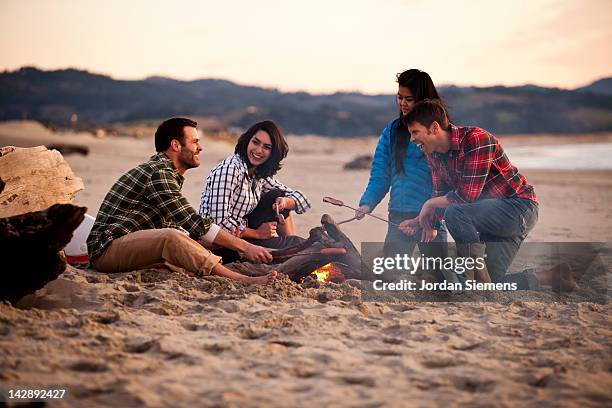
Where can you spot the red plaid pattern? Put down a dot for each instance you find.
(476, 167)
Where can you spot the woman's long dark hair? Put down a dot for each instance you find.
(422, 87)
(279, 148)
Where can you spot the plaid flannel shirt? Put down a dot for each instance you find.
(146, 197)
(230, 193)
(476, 167)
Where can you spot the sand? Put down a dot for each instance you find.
(155, 338)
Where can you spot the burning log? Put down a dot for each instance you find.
(352, 258)
(327, 246)
(31, 243)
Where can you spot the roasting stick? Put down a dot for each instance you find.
(345, 221)
(324, 251)
(280, 217)
(339, 203)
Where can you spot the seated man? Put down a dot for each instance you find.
(488, 205)
(145, 220)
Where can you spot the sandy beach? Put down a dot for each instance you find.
(154, 338)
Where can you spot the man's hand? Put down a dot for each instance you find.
(428, 234)
(426, 216)
(410, 226)
(362, 211)
(257, 254)
(266, 230)
(235, 231)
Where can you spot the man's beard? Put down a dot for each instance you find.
(188, 160)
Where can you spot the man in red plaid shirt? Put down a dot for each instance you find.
(488, 206)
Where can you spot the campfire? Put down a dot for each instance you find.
(331, 272)
(327, 255)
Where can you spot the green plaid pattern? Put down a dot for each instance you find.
(146, 197)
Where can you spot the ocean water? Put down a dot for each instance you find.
(579, 156)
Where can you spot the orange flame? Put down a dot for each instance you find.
(329, 273)
(323, 273)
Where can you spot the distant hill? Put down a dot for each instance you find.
(602, 86)
(54, 96)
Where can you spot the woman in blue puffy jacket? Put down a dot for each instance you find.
(401, 166)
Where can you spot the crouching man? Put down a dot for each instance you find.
(145, 220)
(488, 206)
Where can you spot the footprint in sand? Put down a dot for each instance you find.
(88, 366)
(385, 353)
(141, 345)
(143, 299)
(252, 333)
(287, 343)
(107, 317)
(473, 384)
(218, 347)
(358, 380)
(191, 326)
(131, 287)
(392, 340)
(418, 337)
(182, 358)
(466, 345)
(440, 361)
(540, 380)
(304, 371)
(230, 306)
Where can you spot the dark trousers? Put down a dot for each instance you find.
(398, 242)
(502, 224)
(260, 214)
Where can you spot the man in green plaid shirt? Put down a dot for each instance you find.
(145, 220)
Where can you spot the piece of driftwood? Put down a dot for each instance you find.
(363, 162)
(65, 149)
(30, 246)
(300, 261)
(35, 178)
(352, 258)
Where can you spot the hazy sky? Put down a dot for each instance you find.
(316, 45)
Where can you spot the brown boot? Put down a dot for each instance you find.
(477, 250)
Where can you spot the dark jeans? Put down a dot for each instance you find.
(398, 242)
(501, 223)
(260, 214)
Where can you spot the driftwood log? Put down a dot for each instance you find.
(36, 217)
(324, 245)
(65, 148)
(35, 178)
(30, 246)
(363, 162)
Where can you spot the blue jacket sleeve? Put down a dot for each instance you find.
(380, 174)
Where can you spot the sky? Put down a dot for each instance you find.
(319, 46)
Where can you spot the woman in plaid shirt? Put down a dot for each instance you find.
(242, 195)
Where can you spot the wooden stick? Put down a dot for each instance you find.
(324, 251)
(339, 203)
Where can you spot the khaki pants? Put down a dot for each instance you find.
(142, 249)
